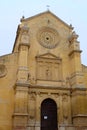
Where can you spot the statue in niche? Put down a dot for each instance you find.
(48, 73)
(73, 37)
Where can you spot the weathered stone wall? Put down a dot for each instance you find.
(45, 63)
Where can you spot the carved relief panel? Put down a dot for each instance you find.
(48, 68)
(66, 108)
(31, 107)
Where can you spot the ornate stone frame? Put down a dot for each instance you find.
(48, 61)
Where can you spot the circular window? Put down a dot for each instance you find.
(48, 37)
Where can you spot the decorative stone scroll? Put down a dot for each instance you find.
(32, 107)
(3, 70)
(65, 107)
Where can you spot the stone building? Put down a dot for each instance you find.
(43, 85)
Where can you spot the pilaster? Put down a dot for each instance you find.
(76, 75)
(79, 114)
(20, 116)
(76, 82)
(24, 45)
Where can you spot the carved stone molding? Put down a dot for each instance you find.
(32, 96)
(3, 70)
(65, 97)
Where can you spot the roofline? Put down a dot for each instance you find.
(30, 18)
(16, 38)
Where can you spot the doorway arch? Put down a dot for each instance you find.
(49, 115)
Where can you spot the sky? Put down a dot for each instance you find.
(70, 11)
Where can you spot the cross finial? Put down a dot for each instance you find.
(48, 6)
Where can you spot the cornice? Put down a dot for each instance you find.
(73, 51)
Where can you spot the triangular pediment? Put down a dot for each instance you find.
(48, 55)
(42, 14)
(40, 20)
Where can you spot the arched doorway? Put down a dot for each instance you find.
(49, 115)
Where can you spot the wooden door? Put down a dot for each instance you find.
(49, 115)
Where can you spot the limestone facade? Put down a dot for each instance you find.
(43, 84)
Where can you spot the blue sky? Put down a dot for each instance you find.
(70, 11)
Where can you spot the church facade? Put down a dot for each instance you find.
(43, 84)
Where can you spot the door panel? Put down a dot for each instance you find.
(48, 115)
